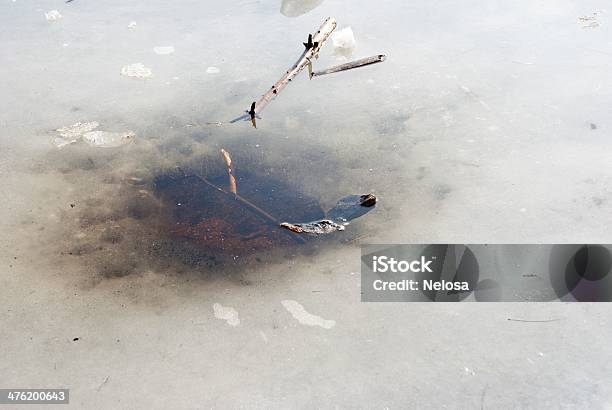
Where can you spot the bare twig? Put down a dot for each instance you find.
(313, 46)
(251, 206)
(241, 199)
(350, 65)
(312, 49)
(103, 383)
(230, 171)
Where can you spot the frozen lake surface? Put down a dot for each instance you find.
(487, 123)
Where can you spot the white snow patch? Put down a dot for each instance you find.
(136, 70)
(301, 315)
(213, 70)
(227, 313)
(132, 25)
(53, 15)
(163, 50)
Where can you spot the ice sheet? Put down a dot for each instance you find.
(488, 123)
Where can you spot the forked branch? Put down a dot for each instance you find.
(312, 48)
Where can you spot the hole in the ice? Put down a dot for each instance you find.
(195, 211)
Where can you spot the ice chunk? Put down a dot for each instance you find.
(106, 139)
(347, 209)
(60, 142)
(589, 21)
(213, 70)
(344, 40)
(76, 130)
(136, 70)
(316, 227)
(53, 15)
(73, 133)
(84, 130)
(163, 50)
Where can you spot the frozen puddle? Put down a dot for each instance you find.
(301, 315)
(136, 70)
(227, 313)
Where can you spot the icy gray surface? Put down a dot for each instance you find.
(489, 122)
